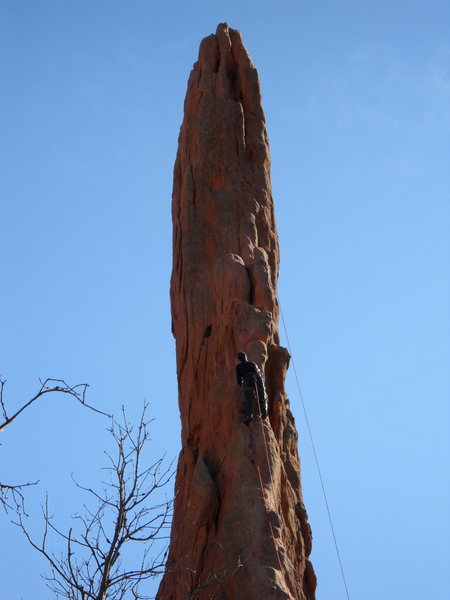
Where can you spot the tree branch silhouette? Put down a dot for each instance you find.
(95, 563)
(11, 495)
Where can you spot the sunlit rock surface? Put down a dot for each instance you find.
(231, 538)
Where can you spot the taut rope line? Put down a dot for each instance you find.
(315, 457)
(270, 472)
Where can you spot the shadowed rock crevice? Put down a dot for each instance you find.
(237, 530)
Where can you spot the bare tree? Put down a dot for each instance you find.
(11, 495)
(94, 564)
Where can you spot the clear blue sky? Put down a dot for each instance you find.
(357, 100)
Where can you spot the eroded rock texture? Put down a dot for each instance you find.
(231, 538)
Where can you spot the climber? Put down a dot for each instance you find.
(250, 379)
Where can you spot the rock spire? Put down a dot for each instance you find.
(240, 528)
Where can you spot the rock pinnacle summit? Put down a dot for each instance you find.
(240, 528)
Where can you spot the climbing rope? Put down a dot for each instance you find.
(315, 456)
(267, 513)
(270, 472)
(255, 387)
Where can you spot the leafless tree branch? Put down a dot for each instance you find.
(11, 496)
(95, 563)
(47, 387)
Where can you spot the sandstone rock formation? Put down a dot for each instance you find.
(240, 528)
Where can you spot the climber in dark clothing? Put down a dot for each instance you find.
(249, 378)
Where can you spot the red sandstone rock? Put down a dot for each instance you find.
(230, 539)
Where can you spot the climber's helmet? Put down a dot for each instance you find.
(241, 356)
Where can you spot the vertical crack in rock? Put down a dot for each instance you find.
(240, 527)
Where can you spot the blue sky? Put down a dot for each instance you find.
(356, 96)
